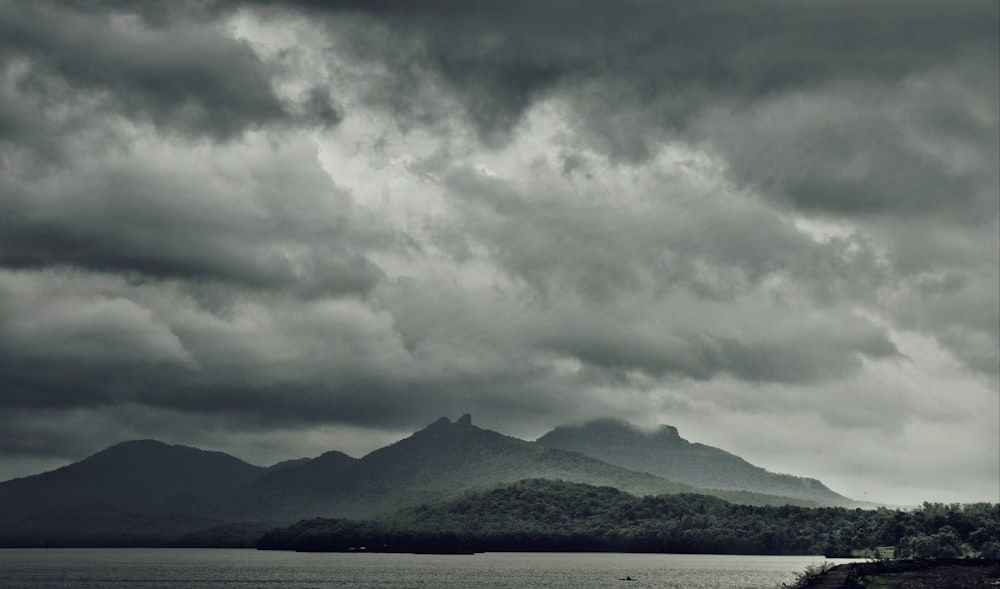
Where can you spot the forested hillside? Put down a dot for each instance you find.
(541, 515)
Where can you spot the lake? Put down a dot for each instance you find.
(142, 568)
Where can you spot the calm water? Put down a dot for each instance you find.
(139, 568)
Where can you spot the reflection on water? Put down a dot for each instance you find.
(139, 568)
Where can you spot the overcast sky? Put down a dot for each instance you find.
(280, 228)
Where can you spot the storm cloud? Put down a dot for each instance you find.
(279, 228)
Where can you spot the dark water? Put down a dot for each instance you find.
(139, 568)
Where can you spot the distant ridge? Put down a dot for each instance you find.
(147, 493)
(437, 462)
(135, 492)
(133, 474)
(664, 453)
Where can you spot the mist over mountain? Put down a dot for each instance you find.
(664, 453)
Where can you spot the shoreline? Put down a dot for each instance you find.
(957, 573)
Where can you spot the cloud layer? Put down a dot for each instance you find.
(277, 228)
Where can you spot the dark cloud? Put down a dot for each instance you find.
(279, 228)
(182, 77)
(923, 146)
(668, 60)
(260, 218)
(560, 233)
(801, 353)
(320, 108)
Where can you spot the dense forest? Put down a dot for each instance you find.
(545, 515)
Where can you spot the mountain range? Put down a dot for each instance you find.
(150, 493)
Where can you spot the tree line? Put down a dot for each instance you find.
(545, 515)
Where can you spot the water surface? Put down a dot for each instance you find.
(140, 568)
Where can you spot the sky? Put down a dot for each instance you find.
(280, 228)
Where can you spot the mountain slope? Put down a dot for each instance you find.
(666, 454)
(131, 475)
(293, 491)
(150, 494)
(437, 462)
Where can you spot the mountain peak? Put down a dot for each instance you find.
(147, 442)
(668, 431)
(664, 453)
(463, 421)
(611, 430)
(132, 474)
(135, 446)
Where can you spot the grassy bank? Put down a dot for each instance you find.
(963, 573)
(925, 574)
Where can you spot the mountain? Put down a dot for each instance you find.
(152, 494)
(439, 461)
(136, 474)
(287, 464)
(294, 491)
(139, 489)
(664, 453)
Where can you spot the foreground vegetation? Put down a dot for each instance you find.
(543, 515)
(925, 574)
(919, 573)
